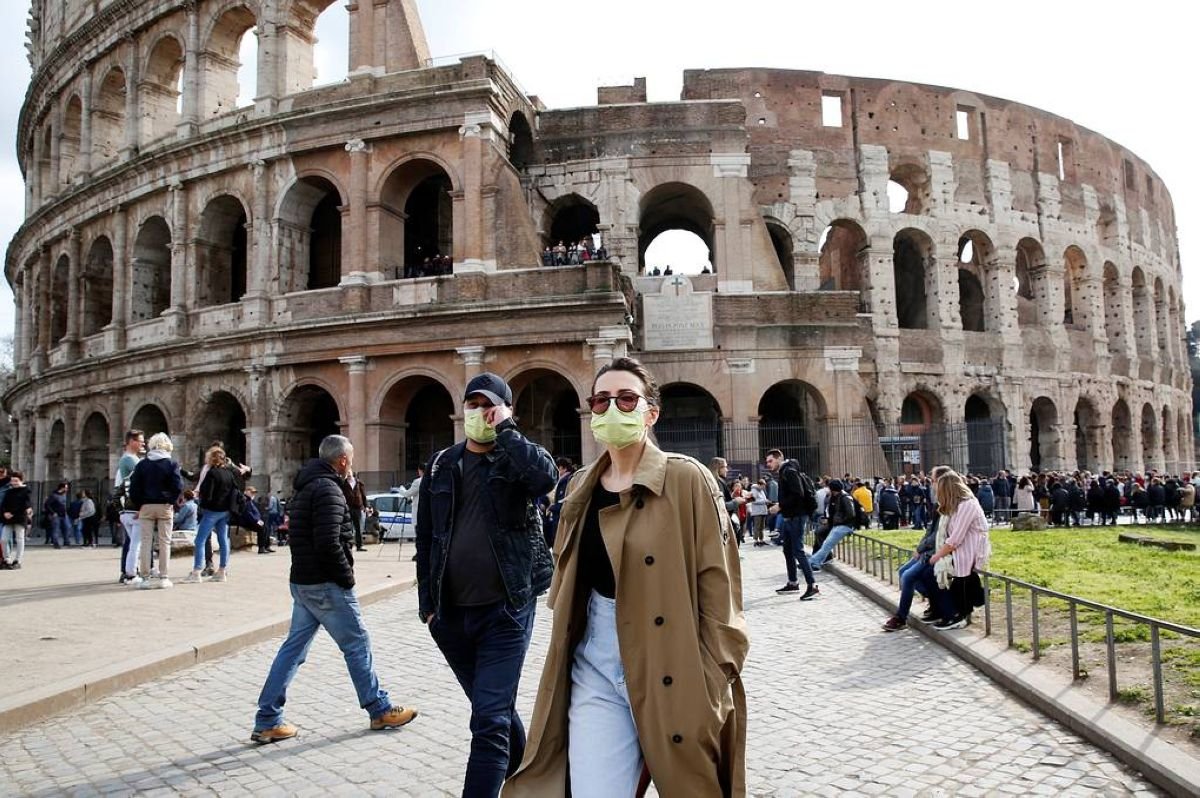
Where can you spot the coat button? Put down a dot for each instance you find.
(649, 560)
(677, 738)
(659, 621)
(667, 680)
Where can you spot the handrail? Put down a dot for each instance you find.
(867, 553)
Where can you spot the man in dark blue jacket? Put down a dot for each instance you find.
(482, 561)
(322, 584)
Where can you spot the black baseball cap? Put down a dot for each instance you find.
(492, 386)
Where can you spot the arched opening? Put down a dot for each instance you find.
(1030, 282)
(675, 230)
(843, 262)
(330, 33)
(1114, 323)
(55, 460)
(309, 233)
(1087, 453)
(1174, 326)
(1163, 317)
(308, 416)
(221, 252)
(1076, 303)
(97, 287)
(690, 422)
(1151, 449)
(161, 89)
(572, 223)
(520, 141)
(984, 417)
(913, 265)
(417, 220)
(547, 408)
(46, 165)
(919, 412)
(1170, 451)
(970, 300)
(980, 284)
(150, 420)
(791, 417)
(1122, 436)
(908, 189)
(93, 449)
(221, 418)
(108, 118)
(150, 291)
(781, 242)
(68, 143)
(416, 419)
(228, 62)
(1143, 315)
(922, 431)
(60, 296)
(1043, 435)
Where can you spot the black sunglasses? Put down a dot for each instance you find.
(627, 401)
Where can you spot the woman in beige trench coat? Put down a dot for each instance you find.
(649, 638)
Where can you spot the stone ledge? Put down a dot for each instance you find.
(69, 694)
(1168, 766)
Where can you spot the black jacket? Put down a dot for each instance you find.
(320, 535)
(155, 482)
(791, 490)
(217, 489)
(841, 510)
(889, 501)
(518, 472)
(18, 502)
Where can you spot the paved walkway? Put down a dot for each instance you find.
(836, 707)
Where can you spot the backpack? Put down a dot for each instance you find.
(861, 519)
(808, 491)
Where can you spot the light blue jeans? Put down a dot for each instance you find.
(314, 606)
(210, 521)
(822, 554)
(603, 750)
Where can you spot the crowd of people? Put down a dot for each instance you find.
(431, 266)
(575, 253)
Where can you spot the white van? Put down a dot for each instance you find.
(395, 516)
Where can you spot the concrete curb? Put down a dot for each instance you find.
(68, 694)
(1168, 766)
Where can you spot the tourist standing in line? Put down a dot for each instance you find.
(797, 500)
(649, 638)
(482, 561)
(322, 586)
(16, 513)
(153, 490)
(135, 445)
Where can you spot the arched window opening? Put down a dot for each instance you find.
(1043, 435)
(221, 252)
(417, 221)
(970, 301)
(791, 419)
(843, 261)
(60, 299)
(308, 416)
(416, 419)
(150, 420)
(97, 287)
(1029, 282)
(676, 230)
(520, 141)
(547, 408)
(1075, 299)
(1174, 327)
(160, 88)
(1122, 436)
(108, 119)
(1143, 315)
(55, 462)
(222, 418)
(68, 145)
(1162, 316)
(309, 230)
(573, 224)
(1151, 451)
(45, 165)
(331, 33)
(908, 189)
(93, 449)
(781, 242)
(897, 197)
(912, 264)
(150, 291)
(690, 422)
(1114, 323)
(229, 63)
(1086, 436)
(247, 70)
(986, 444)
(325, 251)
(980, 284)
(1169, 444)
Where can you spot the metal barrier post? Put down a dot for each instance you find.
(1037, 638)
(1074, 642)
(1112, 655)
(1008, 619)
(1160, 714)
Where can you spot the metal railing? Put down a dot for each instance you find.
(869, 554)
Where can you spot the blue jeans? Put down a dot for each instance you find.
(485, 647)
(212, 520)
(912, 578)
(918, 515)
(604, 753)
(835, 536)
(60, 530)
(335, 608)
(792, 531)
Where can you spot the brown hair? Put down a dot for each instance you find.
(17, 475)
(634, 367)
(778, 455)
(951, 491)
(133, 435)
(215, 457)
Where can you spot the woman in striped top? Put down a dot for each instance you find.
(966, 536)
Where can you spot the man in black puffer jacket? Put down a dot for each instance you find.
(322, 584)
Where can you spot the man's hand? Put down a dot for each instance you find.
(740, 499)
(494, 415)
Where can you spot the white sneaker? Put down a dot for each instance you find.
(219, 576)
(164, 583)
(146, 584)
(193, 578)
(137, 581)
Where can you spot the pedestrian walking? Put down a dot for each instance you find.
(322, 587)
(16, 513)
(797, 500)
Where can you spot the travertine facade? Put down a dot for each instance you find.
(239, 273)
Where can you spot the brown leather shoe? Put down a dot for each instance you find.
(284, 731)
(394, 718)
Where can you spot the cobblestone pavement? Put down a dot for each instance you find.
(836, 708)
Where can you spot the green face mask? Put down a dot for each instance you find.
(618, 429)
(476, 427)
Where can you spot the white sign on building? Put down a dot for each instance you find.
(677, 318)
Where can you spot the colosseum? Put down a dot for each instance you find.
(898, 273)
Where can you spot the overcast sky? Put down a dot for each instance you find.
(1125, 71)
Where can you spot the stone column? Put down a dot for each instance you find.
(472, 358)
(71, 465)
(34, 170)
(732, 266)
(354, 268)
(85, 126)
(356, 403)
(362, 37)
(604, 350)
(133, 101)
(474, 128)
(176, 314)
(271, 67)
(41, 444)
(256, 305)
(190, 118)
(55, 150)
(74, 293)
(43, 304)
(116, 327)
(28, 431)
(19, 304)
(257, 419)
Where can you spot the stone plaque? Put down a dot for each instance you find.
(677, 317)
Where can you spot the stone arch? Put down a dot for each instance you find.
(520, 141)
(843, 260)
(921, 409)
(69, 160)
(1174, 326)
(416, 418)
(1114, 319)
(150, 290)
(94, 447)
(150, 419)
(308, 412)
(60, 294)
(791, 418)
(1151, 445)
(923, 428)
(1044, 444)
(222, 252)
(569, 219)
(913, 178)
(416, 221)
(220, 416)
(670, 207)
(56, 465)
(1031, 283)
(547, 404)
(309, 241)
(97, 287)
(220, 56)
(305, 50)
(1143, 314)
(160, 88)
(784, 247)
(1122, 437)
(1087, 435)
(690, 421)
(108, 117)
(1076, 304)
(913, 265)
(980, 284)
(987, 444)
(1163, 319)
